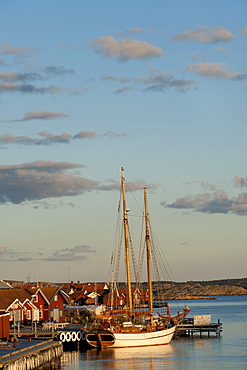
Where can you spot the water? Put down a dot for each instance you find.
(227, 351)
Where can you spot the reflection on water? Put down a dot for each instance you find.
(131, 358)
(70, 360)
(206, 353)
(180, 354)
(119, 358)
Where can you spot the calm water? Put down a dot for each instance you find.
(227, 351)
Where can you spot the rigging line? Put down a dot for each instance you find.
(141, 254)
(131, 192)
(156, 253)
(163, 257)
(118, 256)
(133, 255)
(115, 244)
(164, 265)
(115, 239)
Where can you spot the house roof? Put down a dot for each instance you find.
(8, 296)
(4, 285)
(89, 287)
(51, 292)
(77, 295)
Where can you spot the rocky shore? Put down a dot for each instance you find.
(200, 290)
(184, 290)
(197, 291)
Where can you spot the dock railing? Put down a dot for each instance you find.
(54, 325)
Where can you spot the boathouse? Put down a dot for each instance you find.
(4, 326)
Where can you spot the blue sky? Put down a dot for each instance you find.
(87, 87)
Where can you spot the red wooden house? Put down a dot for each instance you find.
(86, 293)
(49, 302)
(36, 304)
(11, 302)
(54, 305)
(119, 297)
(31, 312)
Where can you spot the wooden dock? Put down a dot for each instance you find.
(198, 325)
(42, 335)
(188, 328)
(30, 356)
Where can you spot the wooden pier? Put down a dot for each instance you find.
(30, 356)
(198, 325)
(188, 328)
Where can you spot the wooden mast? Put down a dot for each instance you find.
(126, 236)
(148, 250)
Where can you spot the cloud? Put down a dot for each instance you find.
(11, 139)
(215, 70)
(48, 138)
(137, 184)
(6, 49)
(44, 179)
(51, 139)
(244, 31)
(58, 71)
(75, 254)
(123, 89)
(35, 76)
(46, 115)
(216, 201)
(135, 30)
(108, 78)
(114, 134)
(156, 82)
(9, 255)
(162, 81)
(3, 250)
(220, 49)
(205, 35)
(40, 180)
(13, 87)
(28, 76)
(71, 254)
(48, 205)
(240, 182)
(125, 49)
(40, 115)
(132, 31)
(84, 134)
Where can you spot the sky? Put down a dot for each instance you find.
(156, 87)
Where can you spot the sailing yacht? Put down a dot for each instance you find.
(129, 327)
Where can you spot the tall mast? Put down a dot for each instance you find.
(148, 250)
(126, 236)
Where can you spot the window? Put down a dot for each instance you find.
(40, 314)
(56, 298)
(28, 314)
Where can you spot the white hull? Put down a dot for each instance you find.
(154, 338)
